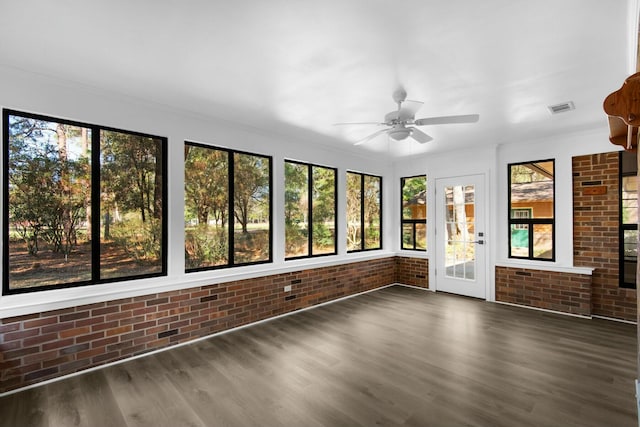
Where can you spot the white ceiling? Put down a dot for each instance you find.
(294, 68)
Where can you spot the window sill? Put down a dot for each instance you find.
(539, 265)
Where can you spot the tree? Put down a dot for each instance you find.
(251, 186)
(354, 198)
(295, 193)
(323, 204)
(206, 182)
(129, 173)
(131, 194)
(46, 191)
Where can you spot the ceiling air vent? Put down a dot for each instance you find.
(561, 108)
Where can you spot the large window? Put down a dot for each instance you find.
(227, 207)
(310, 210)
(83, 204)
(414, 212)
(628, 218)
(531, 210)
(364, 212)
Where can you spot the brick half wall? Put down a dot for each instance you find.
(596, 234)
(46, 345)
(412, 271)
(558, 291)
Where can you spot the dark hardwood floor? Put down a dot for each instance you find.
(396, 357)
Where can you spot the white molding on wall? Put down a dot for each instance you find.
(588, 271)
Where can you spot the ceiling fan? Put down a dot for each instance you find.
(401, 123)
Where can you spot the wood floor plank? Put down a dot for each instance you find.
(395, 357)
(84, 400)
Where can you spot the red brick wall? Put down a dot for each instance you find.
(565, 292)
(596, 233)
(412, 271)
(54, 343)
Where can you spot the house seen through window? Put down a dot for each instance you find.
(531, 210)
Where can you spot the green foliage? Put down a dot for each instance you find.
(323, 236)
(531, 172)
(354, 203)
(298, 202)
(206, 184)
(295, 194)
(413, 188)
(141, 240)
(206, 247)
(251, 246)
(130, 168)
(250, 189)
(48, 174)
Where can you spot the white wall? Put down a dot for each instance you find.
(493, 162)
(479, 161)
(37, 94)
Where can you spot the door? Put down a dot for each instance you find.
(460, 236)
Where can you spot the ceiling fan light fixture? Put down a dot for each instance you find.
(398, 134)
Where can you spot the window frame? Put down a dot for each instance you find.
(622, 283)
(412, 222)
(531, 222)
(230, 201)
(310, 167)
(95, 174)
(363, 247)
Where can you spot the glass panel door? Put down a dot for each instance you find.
(460, 251)
(460, 236)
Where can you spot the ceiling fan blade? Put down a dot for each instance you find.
(420, 136)
(408, 109)
(358, 123)
(469, 118)
(370, 137)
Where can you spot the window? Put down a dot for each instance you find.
(628, 219)
(414, 212)
(83, 204)
(310, 210)
(364, 212)
(531, 210)
(521, 213)
(227, 208)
